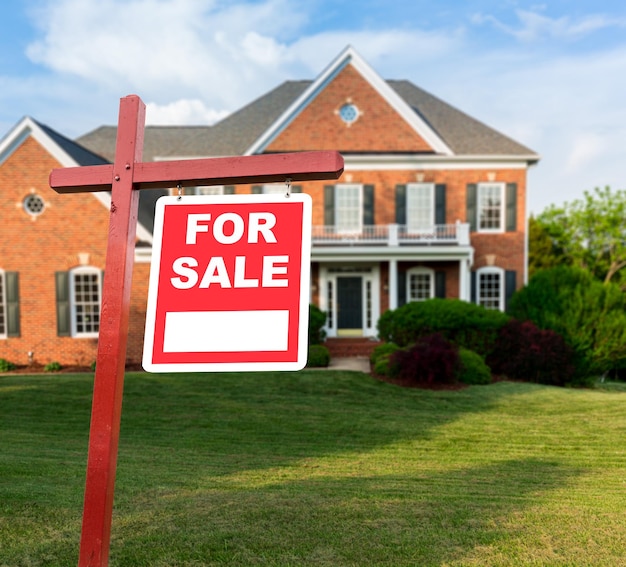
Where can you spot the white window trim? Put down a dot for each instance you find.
(409, 227)
(491, 270)
(3, 305)
(415, 271)
(275, 189)
(356, 230)
(72, 273)
(480, 188)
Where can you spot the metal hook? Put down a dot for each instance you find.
(288, 182)
(180, 191)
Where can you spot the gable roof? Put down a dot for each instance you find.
(250, 129)
(72, 154)
(350, 57)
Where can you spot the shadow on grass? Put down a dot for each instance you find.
(394, 520)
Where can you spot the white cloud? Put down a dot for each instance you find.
(182, 111)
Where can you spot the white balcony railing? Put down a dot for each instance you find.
(393, 235)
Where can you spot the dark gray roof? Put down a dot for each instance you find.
(464, 135)
(80, 154)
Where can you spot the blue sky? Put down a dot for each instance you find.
(549, 74)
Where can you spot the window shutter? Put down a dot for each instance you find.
(186, 191)
(62, 281)
(440, 285)
(368, 205)
(440, 204)
(13, 304)
(511, 207)
(472, 189)
(257, 189)
(473, 284)
(401, 288)
(401, 204)
(296, 188)
(510, 285)
(329, 205)
(229, 189)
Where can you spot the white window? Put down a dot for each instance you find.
(349, 208)
(420, 207)
(490, 207)
(208, 190)
(420, 284)
(85, 297)
(275, 189)
(3, 307)
(490, 288)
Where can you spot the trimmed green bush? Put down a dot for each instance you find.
(473, 369)
(465, 324)
(317, 320)
(52, 367)
(383, 349)
(6, 366)
(318, 357)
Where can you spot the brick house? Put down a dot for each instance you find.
(431, 204)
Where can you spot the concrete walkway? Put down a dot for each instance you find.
(359, 363)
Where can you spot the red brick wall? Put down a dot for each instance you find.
(319, 127)
(37, 247)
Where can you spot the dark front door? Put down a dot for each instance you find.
(349, 302)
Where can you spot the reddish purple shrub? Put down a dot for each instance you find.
(430, 361)
(524, 352)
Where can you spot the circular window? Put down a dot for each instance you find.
(34, 204)
(348, 113)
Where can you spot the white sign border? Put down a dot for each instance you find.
(305, 283)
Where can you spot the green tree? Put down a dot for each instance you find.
(543, 250)
(591, 234)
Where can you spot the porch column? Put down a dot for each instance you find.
(393, 284)
(464, 282)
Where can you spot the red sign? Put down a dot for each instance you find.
(229, 284)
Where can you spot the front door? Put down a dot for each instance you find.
(350, 305)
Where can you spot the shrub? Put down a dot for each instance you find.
(383, 349)
(473, 369)
(589, 315)
(52, 367)
(430, 361)
(6, 366)
(319, 356)
(317, 320)
(525, 352)
(465, 324)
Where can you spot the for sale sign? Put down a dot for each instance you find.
(229, 284)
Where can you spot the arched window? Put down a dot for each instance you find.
(420, 284)
(490, 290)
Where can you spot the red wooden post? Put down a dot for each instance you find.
(124, 178)
(109, 379)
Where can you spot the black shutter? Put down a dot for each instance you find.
(511, 207)
(440, 204)
(472, 189)
(473, 286)
(440, 284)
(229, 189)
(401, 287)
(510, 285)
(62, 281)
(187, 191)
(329, 205)
(401, 204)
(13, 303)
(368, 205)
(296, 188)
(257, 189)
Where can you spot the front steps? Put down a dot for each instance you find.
(348, 347)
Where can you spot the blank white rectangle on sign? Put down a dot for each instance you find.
(226, 331)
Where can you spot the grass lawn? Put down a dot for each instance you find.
(319, 468)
